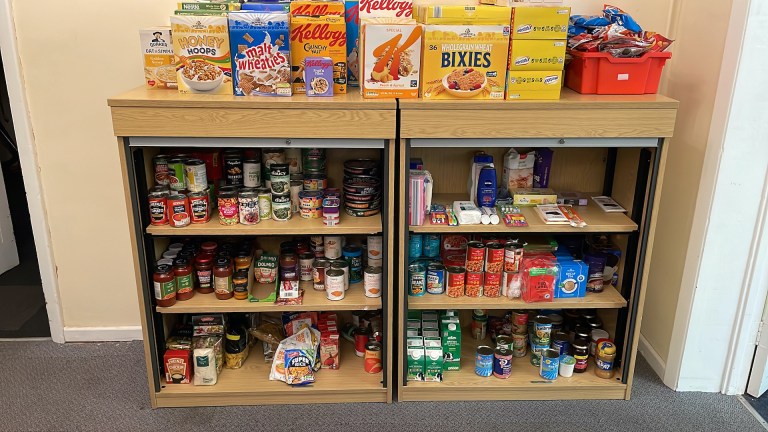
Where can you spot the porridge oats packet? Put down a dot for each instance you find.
(159, 63)
(201, 46)
(260, 55)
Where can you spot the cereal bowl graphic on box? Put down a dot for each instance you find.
(201, 46)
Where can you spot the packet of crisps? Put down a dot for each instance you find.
(298, 367)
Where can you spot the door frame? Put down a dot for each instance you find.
(30, 169)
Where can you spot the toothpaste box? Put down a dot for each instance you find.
(536, 54)
(416, 363)
(352, 17)
(534, 85)
(540, 22)
(433, 364)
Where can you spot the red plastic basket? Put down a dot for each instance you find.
(601, 73)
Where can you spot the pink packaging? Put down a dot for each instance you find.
(417, 196)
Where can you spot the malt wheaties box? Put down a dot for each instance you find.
(352, 18)
(391, 57)
(201, 45)
(260, 55)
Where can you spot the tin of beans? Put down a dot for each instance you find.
(484, 361)
(372, 281)
(494, 257)
(435, 278)
(178, 210)
(455, 281)
(431, 245)
(502, 363)
(319, 268)
(200, 206)
(473, 287)
(415, 245)
(160, 163)
(513, 255)
(550, 364)
(475, 257)
(228, 206)
(417, 276)
(158, 205)
(492, 285)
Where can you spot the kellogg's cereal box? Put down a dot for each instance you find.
(353, 42)
(201, 45)
(386, 8)
(260, 55)
(465, 61)
(391, 56)
(316, 8)
(323, 36)
(318, 76)
(159, 63)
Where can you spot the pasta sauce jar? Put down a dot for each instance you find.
(182, 270)
(164, 282)
(222, 278)
(204, 273)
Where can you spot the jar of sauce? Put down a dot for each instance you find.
(222, 278)
(164, 282)
(209, 247)
(605, 355)
(242, 261)
(288, 259)
(204, 273)
(240, 284)
(581, 354)
(182, 270)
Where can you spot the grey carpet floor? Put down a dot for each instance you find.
(102, 387)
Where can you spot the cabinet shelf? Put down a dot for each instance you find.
(608, 299)
(294, 226)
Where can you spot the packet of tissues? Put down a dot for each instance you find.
(467, 212)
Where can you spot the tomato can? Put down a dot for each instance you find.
(513, 255)
(195, 177)
(372, 362)
(484, 361)
(200, 206)
(372, 281)
(178, 210)
(362, 337)
(248, 206)
(334, 284)
(494, 257)
(160, 163)
(455, 283)
(492, 285)
(306, 260)
(475, 257)
(473, 287)
(176, 174)
(502, 363)
(158, 205)
(435, 278)
(417, 273)
(319, 267)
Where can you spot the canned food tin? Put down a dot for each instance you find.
(315, 181)
(252, 173)
(557, 321)
(372, 281)
(334, 284)
(194, 174)
(415, 246)
(519, 322)
(158, 206)
(550, 364)
(280, 178)
(366, 167)
(353, 255)
(417, 273)
(560, 342)
(431, 245)
(228, 208)
(176, 174)
(310, 200)
(272, 156)
(160, 163)
(281, 207)
(233, 167)
(542, 327)
(513, 255)
(332, 246)
(295, 200)
(375, 245)
(313, 159)
(319, 267)
(265, 203)
(455, 285)
(378, 262)
(519, 344)
(340, 264)
(492, 285)
(362, 337)
(473, 287)
(306, 260)
(372, 362)
(502, 363)
(484, 361)
(435, 278)
(200, 206)
(494, 257)
(248, 204)
(178, 210)
(293, 159)
(475, 257)
(504, 341)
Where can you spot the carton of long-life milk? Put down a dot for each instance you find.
(416, 363)
(451, 342)
(433, 364)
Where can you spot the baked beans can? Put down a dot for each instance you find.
(435, 278)
(455, 281)
(513, 255)
(334, 284)
(362, 338)
(415, 246)
(431, 245)
(160, 163)
(502, 363)
(233, 167)
(332, 246)
(195, 177)
(200, 206)
(251, 173)
(484, 361)
(519, 344)
(519, 322)
(417, 278)
(158, 205)
(319, 268)
(178, 210)
(473, 287)
(306, 259)
(492, 285)
(228, 207)
(475, 257)
(494, 257)
(343, 265)
(248, 202)
(550, 364)
(372, 281)
(265, 203)
(176, 174)
(375, 246)
(372, 362)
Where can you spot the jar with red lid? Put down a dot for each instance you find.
(222, 278)
(209, 247)
(182, 270)
(204, 273)
(164, 282)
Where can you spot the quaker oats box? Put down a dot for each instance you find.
(319, 36)
(260, 55)
(201, 46)
(159, 63)
(391, 56)
(352, 18)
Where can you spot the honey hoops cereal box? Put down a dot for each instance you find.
(465, 61)
(260, 56)
(323, 36)
(159, 63)
(201, 45)
(391, 54)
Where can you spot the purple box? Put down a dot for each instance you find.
(318, 76)
(541, 167)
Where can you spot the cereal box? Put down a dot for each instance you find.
(318, 76)
(386, 8)
(537, 54)
(353, 42)
(540, 22)
(316, 8)
(260, 55)
(465, 61)
(522, 85)
(218, 7)
(323, 36)
(159, 64)
(391, 55)
(200, 13)
(460, 14)
(201, 44)
(267, 7)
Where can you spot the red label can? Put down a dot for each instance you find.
(455, 281)
(361, 340)
(513, 255)
(200, 208)
(475, 257)
(178, 210)
(492, 285)
(372, 362)
(494, 257)
(473, 286)
(158, 207)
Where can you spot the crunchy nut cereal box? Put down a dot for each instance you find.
(159, 63)
(316, 8)
(201, 45)
(323, 36)
(391, 55)
(260, 56)
(465, 61)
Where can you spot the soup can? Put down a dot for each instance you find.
(334, 284)
(319, 268)
(178, 210)
(455, 281)
(372, 359)
(415, 246)
(519, 344)
(332, 246)
(158, 206)
(519, 322)
(375, 246)
(513, 255)
(504, 341)
(265, 203)
(473, 287)
(502, 363)
(435, 278)
(160, 163)
(176, 174)
(417, 278)
(343, 265)
(200, 206)
(252, 173)
(306, 260)
(195, 177)
(550, 364)
(372, 281)
(248, 202)
(431, 245)
(484, 361)
(494, 257)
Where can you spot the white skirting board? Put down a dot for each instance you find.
(102, 334)
(652, 357)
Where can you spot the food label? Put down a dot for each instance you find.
(316, 8)
(259, 44)
(385, 8)
(184, 283)
(204, 278)
(530, 22)
(323, 36)
(318, 76)
(199, 208)
(391, 55)
(222, 285)
(165, 290)
(201, 45)
(159, 63)
(157, 211)
(353, 44)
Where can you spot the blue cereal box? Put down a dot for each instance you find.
(260, 56)
(571, 278)
(353, 42)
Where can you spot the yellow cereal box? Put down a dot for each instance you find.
(316, 8)
(459, 14)
(159, 62)
(390, 60)
(533, 54)
(464, 61)
(201, 45)
(540, 22)
(323, 36)
(523, 85)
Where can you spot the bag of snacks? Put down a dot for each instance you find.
(298, 367)
(539, 273)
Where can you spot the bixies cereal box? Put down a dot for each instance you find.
(201, 45)
(391, 54)
(260, 55)
(319, 36)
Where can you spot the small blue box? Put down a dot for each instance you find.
(571, 278)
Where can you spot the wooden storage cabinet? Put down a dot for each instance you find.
(608, 145)
(348, 127)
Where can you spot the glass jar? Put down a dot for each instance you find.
(605, 355)
(182, 270)
(243, 261)
(222, 278)
(209, 247)
(240, 284)
(204, 273)
(164, 282)
(581, 354)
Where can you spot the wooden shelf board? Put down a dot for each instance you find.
(294, 226)
(524, 383)
(608, 299)
(354, 299)
(597, 221)
(250, 385)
